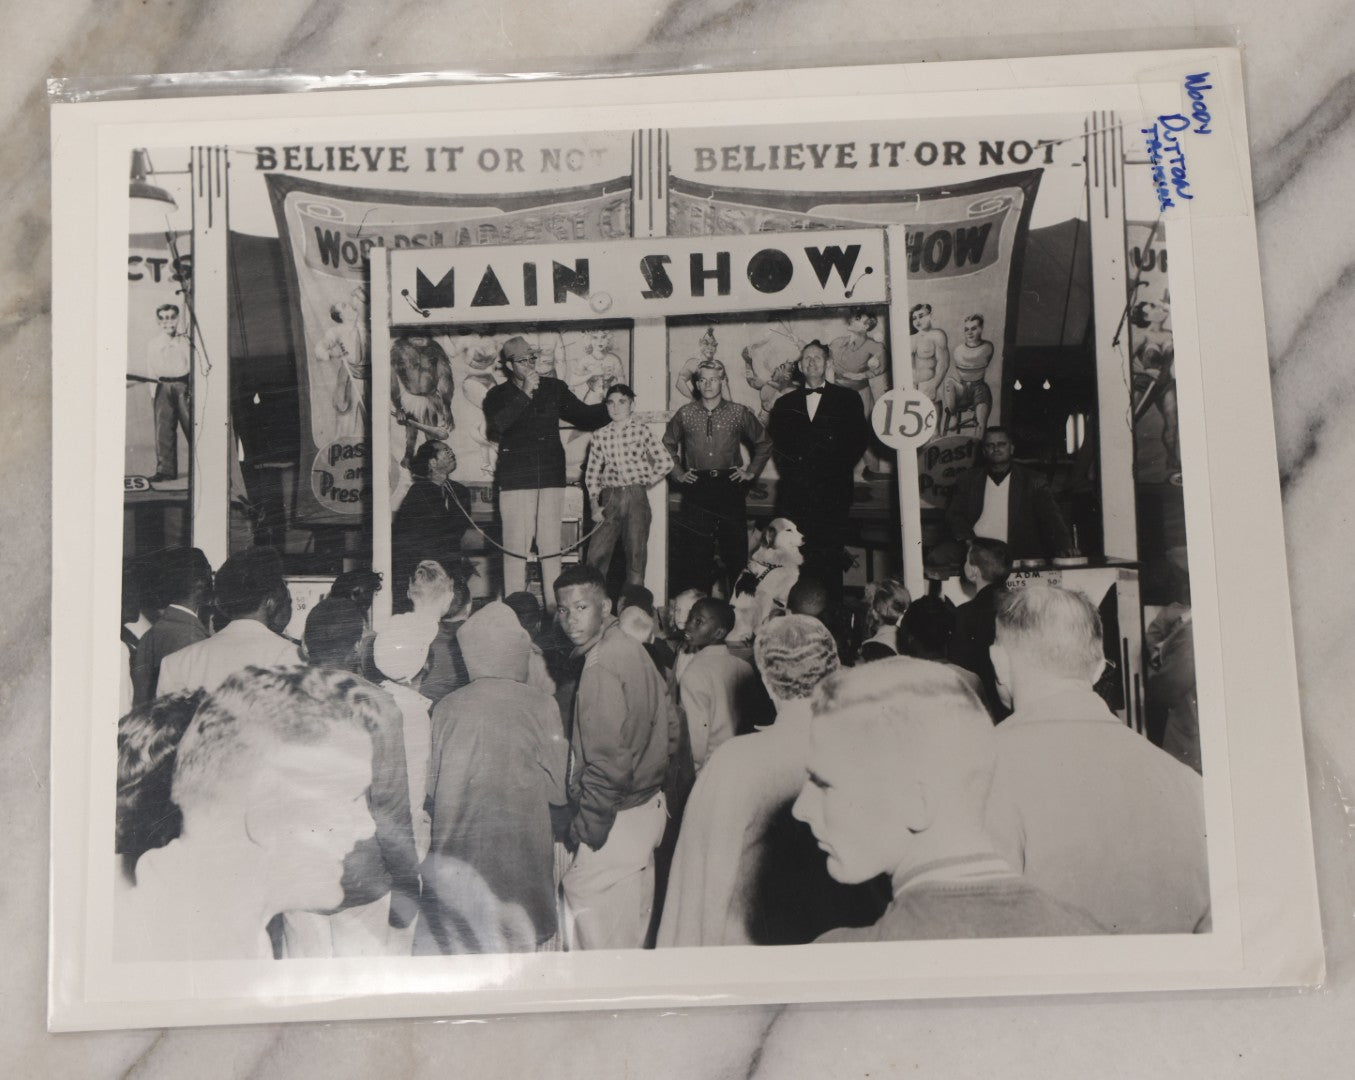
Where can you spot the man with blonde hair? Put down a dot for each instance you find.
(1092, 812)
(901, 754)
(271, 777)
(738, 814)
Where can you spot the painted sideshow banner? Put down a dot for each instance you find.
(1152, 353)
(439, 382)
(328, 234)
(964, 275)
(159, 408)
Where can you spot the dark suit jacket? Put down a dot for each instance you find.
(427, 525)
(1035, 528)
(975, 630)
(173, 631)
(815, 458)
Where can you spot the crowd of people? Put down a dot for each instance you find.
(603, 772)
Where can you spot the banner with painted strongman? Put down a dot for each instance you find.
(328, 234)
(964, 245)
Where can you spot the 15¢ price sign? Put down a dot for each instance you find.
(904, 419)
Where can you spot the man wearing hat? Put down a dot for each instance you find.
(523, 416)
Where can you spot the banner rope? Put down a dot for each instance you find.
(451, 494)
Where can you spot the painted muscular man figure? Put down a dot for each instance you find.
(931, 350)
(421, 391)
(965, 385)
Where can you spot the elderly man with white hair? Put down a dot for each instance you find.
(901, 754)
(1091, 811)
(739, 809)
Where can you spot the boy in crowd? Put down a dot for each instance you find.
(712, 680)
(251, 592)
(624, 461)
(727, 830)
(186, 583)
(497, 766)
(624, 731)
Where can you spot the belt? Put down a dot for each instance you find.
(713, 473)
(172, 378)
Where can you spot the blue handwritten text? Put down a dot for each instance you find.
(1199, 110)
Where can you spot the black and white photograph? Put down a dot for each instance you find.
(763, 554)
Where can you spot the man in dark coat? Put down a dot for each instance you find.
(986, 567)
(186, 580)
(430, 522)
(523, 416)
(1004, 501)
(819, 432)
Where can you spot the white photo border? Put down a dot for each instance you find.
(1266, 930)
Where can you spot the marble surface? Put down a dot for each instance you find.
(1301, 93)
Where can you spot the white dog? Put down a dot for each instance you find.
(762, 589)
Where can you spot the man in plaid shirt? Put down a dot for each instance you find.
(624, 461)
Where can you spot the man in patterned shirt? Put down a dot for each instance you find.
(624, 461)
(707, 437)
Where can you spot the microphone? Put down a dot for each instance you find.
(424, 311)
(852, 289)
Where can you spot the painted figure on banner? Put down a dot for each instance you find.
(931, 350)
(965, 386)
(707, 349)
(857, 361)
(481, 357)
(769, 366)
(591, 364)
(421, 392)
(344, 354)
(1153, 359)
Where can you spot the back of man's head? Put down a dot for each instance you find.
(927, 626)
(635, 596)
(255, 713)
(245, 581)
(808, 596)
(333, 629)
(991, 560)
(357, 585)
(1052, 632)
(794, 654)
(185, 576)
(527, 609)
(915, 720)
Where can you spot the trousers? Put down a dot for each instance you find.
(626, 518)
(171, 411)
(609, 893)
(712, 506)
(531, 514)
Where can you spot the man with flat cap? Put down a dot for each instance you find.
(523, 416)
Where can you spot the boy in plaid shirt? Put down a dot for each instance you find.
(624, 461)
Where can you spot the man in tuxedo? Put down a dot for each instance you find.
(1001, 500)
(819, 432)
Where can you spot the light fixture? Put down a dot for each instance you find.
(1046, 385)
(1016, 385)
(151, 205)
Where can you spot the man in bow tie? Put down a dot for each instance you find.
(819, 433)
